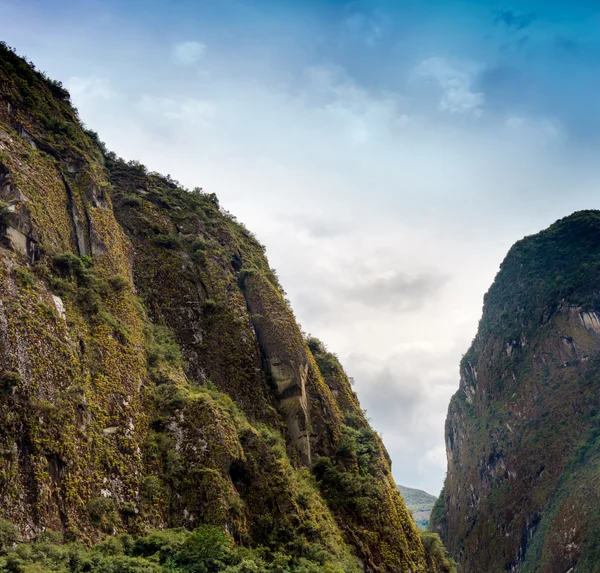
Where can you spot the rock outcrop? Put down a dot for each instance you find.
(522, 492)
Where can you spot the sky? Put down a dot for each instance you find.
(387, 153)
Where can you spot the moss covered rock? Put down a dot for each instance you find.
(152, 373)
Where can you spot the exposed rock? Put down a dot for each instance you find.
(522, 442)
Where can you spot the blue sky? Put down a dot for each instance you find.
(387, 153)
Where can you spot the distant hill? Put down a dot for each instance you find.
(419, 502)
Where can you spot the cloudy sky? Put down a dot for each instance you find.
(387, 153)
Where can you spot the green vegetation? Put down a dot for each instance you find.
(9, 535)
(417, 499)
(160, 346)
(557, 266)
(576, 491)
(8, 381)
(167, 241)
(205, 550)
(4, 215)
(438, 511)
(419, 502)
(346, 480)
(437, 557)
(40, 103)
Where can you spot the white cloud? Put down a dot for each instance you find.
(188, 53)
(544, 130)
(89, 88)
(187, 109)
(456, 81)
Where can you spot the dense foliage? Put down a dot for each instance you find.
(543, 271)
(205, 550)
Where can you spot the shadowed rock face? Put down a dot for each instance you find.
(285, 360)
(522, 492)
(292, 401)
(150, 366)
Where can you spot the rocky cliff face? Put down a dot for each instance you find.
(152, 373)
(522, 492)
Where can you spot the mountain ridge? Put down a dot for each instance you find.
(419, 502)
(153, 376)
(521, 492)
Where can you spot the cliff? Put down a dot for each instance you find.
(152, 373)
(522, 492)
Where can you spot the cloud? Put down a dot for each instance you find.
(543, 130)
(396, 290)
(348, 295)
(188, 53)
(406, 396)
(190, 110)
(514, 20)
(317, 226)
(84, 89)
(456, 81)
(365, 28)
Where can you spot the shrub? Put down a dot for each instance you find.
(438, 511)
(167, 241)
(103, 514)
(161, 347)
(60, 286)
(24, 277)
(347, 481)
(151, 488)
(118, 282)
(137, 166)
(89, 300)
(4, 215)
(435, 553)
(8, 381)
(210, 306)
(9, 535)
(132, 200)
(198, 244)
(129, 508)
(60, 126)
(207, 549)
(69, 264)
(164, 543)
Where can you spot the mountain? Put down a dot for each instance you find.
(522, 491)
(154, 381)
(420, 504)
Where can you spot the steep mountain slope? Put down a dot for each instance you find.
(152, 374)
(419, 502)
(522, 491)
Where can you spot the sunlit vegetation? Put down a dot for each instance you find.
(205, 550)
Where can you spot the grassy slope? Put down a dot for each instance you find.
(417, 499)
(419, 502)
